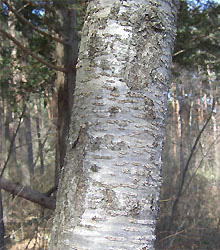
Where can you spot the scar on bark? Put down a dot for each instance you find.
(80, 133)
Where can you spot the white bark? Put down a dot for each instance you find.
(109, 189)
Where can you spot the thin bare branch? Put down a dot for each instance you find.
(29, 52)
(185, 169)
(32, 26)
(28, 193)
(200, 163)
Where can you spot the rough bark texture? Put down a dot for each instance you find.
(109, 188)
(65, 83)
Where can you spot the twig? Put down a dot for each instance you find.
(185, 169)
(200, 164)
(176, 233)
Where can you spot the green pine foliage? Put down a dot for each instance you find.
(198, 35)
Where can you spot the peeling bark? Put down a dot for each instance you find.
(109, 189)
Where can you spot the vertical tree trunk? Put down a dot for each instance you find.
(109, 189)
(28, 137)
(24, 166)
(2, 136)
(40, 145)
(66, 57)
(9, 128)
(13, 170)
(2, 226)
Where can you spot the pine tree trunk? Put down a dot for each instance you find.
(28, 137)
(24, 167)
(2, 226)
(109, 189)
(66, 57)
(39, 137)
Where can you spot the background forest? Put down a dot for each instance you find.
(38, 54)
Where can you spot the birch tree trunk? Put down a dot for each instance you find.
(109, 188)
